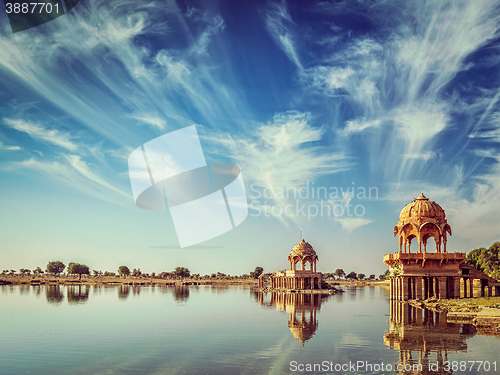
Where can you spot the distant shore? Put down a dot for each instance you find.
(131, 280)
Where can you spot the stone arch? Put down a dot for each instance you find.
(407, 233)
(433, 230)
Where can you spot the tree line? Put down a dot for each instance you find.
(486, 260)
(56, 268)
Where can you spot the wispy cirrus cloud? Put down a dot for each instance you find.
(38, 132)
(8, 147)
(280, 25)
(282, 152)
(350, 223)
(74, 173)
(152, 120)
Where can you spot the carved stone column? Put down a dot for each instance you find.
(443, 287)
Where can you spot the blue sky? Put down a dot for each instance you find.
(398, 96)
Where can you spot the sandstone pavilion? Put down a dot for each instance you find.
(422, 274)
(297, 279)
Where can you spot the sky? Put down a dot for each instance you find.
(368, 103)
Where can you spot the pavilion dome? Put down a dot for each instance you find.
(422, 207)
(303, 331)
(303, 249)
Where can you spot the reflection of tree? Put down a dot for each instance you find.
(37, 290)
(423, 337)
(24, 289)
(181, 293)
(78, 293)
(302, 308)
(123, 291)
(54, 294)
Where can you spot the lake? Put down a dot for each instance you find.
(229, 330)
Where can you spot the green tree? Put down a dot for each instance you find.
(38, 271)
(361, 276)
(123, 271)
(55, 267)
(78, 269)
(181, 272)
(257, 272)
(489, 260)
(136, 272)
(25, 271)
(486, 260)
(351, 276)
(473, 258)
(385, 275)
(339, 273)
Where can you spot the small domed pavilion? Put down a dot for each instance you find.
(297, 279)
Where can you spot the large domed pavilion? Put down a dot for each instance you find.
(438, 274)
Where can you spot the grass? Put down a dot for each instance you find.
(469, 304)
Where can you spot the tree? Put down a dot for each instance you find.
(25, 271)
(486, 260)
(38, 271)
(181, 272)
(473, 258)
(257, 272)
(361, 276)
(339, 273)
(78, 269)
(328, 276)
(385, 275)
(351, 276)
(372, 277)
(97, 273)
(123, 271)
(136, 272)
(55, 267)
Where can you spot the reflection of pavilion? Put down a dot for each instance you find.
(418, 334)
(301, 307)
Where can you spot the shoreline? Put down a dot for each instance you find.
(131, 280)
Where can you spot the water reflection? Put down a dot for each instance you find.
(181, 293)
(54, 294)
(302, 308)
(424, 338)
(78, 293)
(123, 291)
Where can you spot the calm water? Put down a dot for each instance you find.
(214, 330)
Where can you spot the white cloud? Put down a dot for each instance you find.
(350, 223)
(279, 22)
(36, 132)
(9, 148)
(154, 121)
(360, 125)
(76, 174)
(280, 154)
